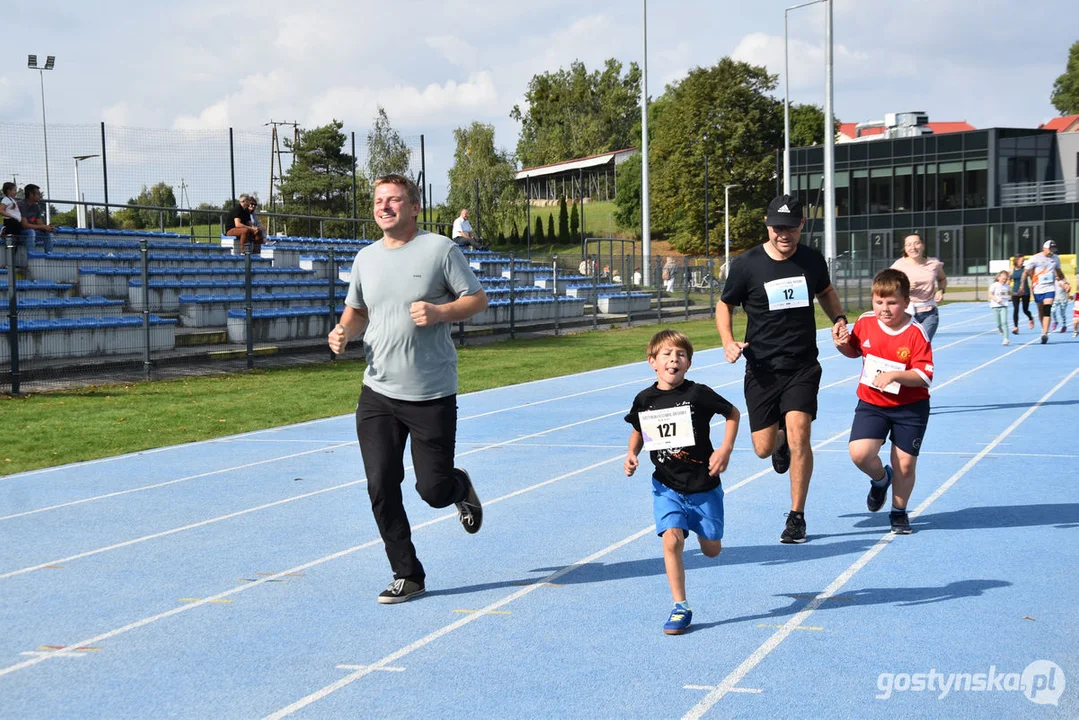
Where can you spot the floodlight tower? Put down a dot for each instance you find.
(31, 63)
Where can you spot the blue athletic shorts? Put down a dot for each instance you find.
(906, 424)
(700, 512)
(1040, 298)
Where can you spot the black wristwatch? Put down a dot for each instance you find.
(837, 318)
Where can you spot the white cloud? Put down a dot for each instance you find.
(806, 60)
(454, 49)
(214, 117)
(409, 104)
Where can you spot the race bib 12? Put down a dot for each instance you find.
(787, 293)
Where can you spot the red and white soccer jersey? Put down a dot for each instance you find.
(884, 349)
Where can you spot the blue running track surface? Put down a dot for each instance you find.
(237, 578)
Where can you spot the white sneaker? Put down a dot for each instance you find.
(1005, 341)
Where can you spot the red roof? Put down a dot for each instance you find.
(938, 128)
(1068, 123)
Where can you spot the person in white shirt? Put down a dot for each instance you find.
(999, 296)
(1041, 271)
(463, 233)
(9, 209)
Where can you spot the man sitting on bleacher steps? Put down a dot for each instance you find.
(241, 225)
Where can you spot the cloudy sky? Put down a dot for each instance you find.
(440, 64)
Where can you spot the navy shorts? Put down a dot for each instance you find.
(905, 424)
(700, 512)
(771, 395)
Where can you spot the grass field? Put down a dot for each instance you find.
(74, 425)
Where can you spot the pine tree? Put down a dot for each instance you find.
(551, 237)
(563, 221)
(537, 234)
(574, 221)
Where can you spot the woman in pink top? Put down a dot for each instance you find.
(927, 282)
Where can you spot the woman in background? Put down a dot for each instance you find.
(927, 282)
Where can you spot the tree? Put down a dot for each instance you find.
(551, 236)
(627, 196)
(563, 221)
(160, 195)
(728, 113)
(386, 151)
(573, 113)
(807, 125)
(320, 179)
(1065, 97)
(537, 234)
(477, 161)
(574, 221)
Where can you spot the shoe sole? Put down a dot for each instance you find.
(400, 599)
(901, 531)
(792, 541)
(675, 632)
(472, 499)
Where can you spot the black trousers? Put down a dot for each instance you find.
(1024, 300)
(383, 425)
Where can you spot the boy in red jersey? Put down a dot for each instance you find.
(893, 394)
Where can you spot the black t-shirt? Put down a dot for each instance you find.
(777, 295)
(238, 211)
(684, 470)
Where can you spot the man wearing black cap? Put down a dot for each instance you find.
(775, 284)
(1041, 270)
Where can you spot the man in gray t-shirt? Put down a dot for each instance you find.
(406, 290)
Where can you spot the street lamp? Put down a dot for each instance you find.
(727, 229)
(787, 101)
(50, 62)
(80, 209)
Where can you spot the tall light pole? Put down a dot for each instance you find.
(787, 101)
(80, 209)
(829, 145)
(50, 62)
(727, 228)
(646, 232)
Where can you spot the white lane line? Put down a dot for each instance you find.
(172, 482)
(301, 568)
(445, 630)
(758, 655)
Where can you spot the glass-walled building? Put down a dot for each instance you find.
(973, 196)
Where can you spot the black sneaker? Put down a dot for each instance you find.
(900, 522)
(795, 532)
(1045, 339)
(875, 499)
(401, 590)
(781, 456)
(469, 510)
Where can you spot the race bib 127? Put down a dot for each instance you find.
(667, 428)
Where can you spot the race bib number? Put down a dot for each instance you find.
(874, 366)
(666, 429)
(787, 293)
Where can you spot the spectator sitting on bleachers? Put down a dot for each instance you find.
(241, 225)
(32, 227)
(9, 209)
(255, 221)
(463, 233)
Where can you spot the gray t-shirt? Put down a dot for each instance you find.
(404, 361)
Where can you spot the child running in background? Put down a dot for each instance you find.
(999, 297)
(671, 421)
(893, 394)
(1060, 302)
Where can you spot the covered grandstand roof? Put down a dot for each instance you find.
(568, 165)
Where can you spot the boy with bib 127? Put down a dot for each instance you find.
(671, 420)
(893, 394)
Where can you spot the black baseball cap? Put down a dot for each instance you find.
(785, 210)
